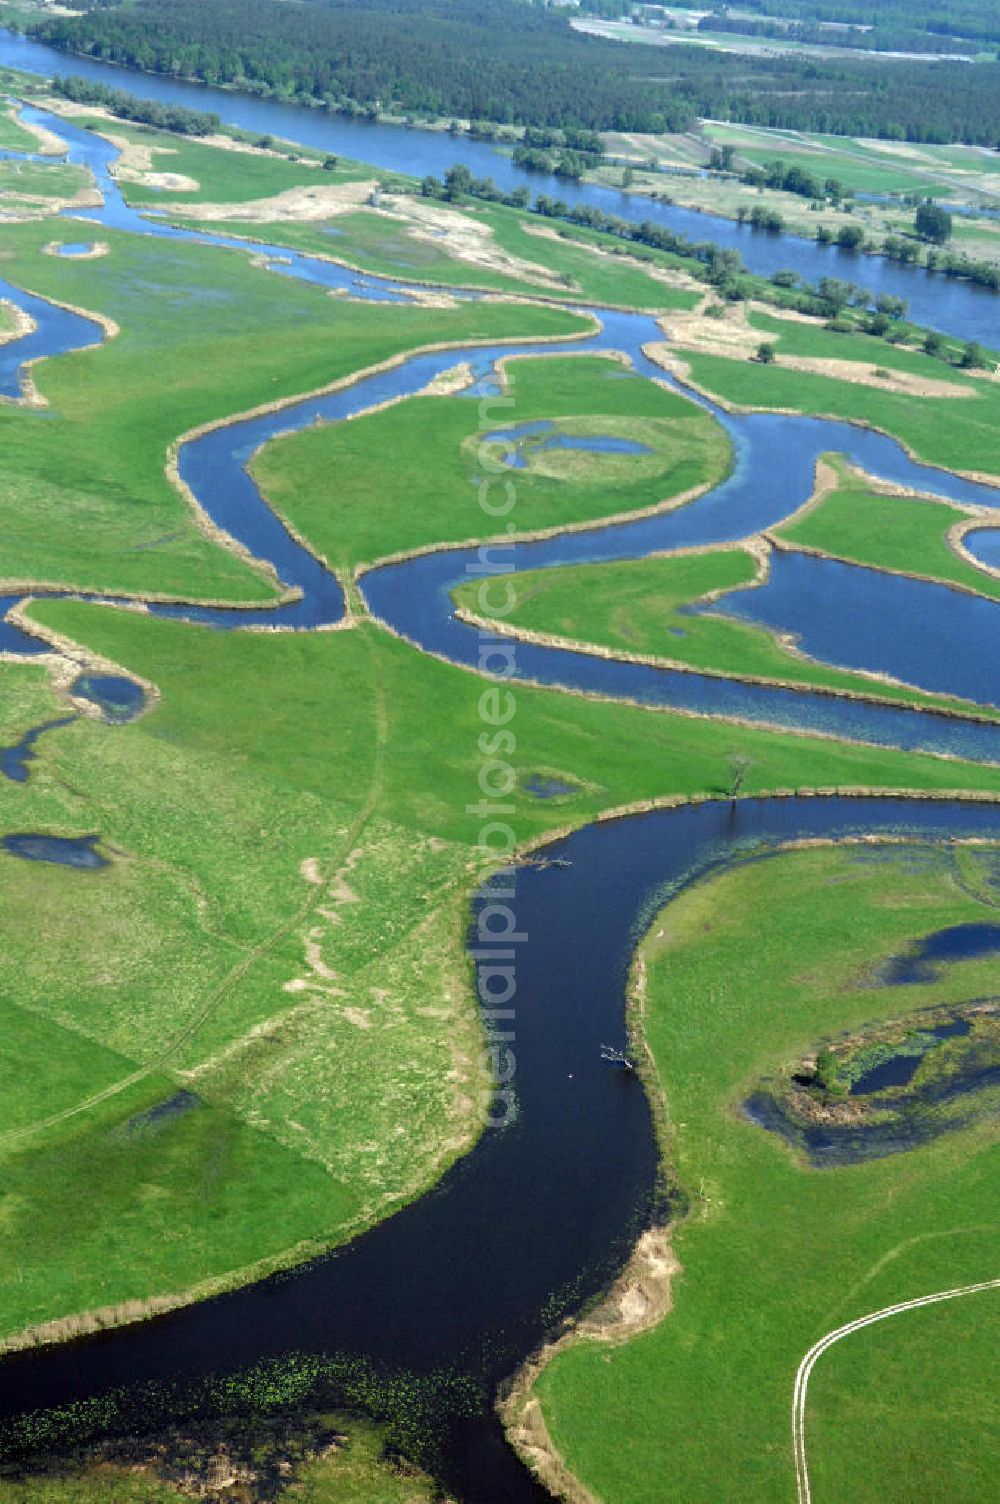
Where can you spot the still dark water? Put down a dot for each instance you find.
(542, 1212)
(962, 309)
(463, 1284)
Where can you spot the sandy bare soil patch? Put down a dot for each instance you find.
(23, 322)
(293, 206)
(48, 143)
(93, 252)
(16, 207)
(732, 336)
(729, 334)
(656, 273)
(899, 149)
(71, 110)
(448, 383)
(862, 374)
(466, 239)
(135, 164)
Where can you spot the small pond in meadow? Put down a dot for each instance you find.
(14, 760)
(539, 437)
(962, 942)
(118, 698)
(65, 851)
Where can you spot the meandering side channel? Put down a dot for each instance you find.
(522, 1225)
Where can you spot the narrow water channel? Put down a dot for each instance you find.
(540, 1214)
(955, 307)
(458, 1288)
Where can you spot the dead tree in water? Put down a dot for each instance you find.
(616, 1057)
(739, 765)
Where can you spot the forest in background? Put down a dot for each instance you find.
(521, 63)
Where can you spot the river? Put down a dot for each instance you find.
(959, 308)
(542, 1212)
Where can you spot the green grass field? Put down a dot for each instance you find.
(812, 339)
(952, 433)
(873, 1409)
(27, 180)
(227, 337)
(377, 506)
(223, 176)
(637, 607)
(862, 165)
(745, 972)
(888, 532)
(252, 1033)
(566, 266)
(200, 958)
(13, 137)
(6, 320)
(204, 958)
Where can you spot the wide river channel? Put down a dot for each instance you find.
(458, 1288)
(958, 308)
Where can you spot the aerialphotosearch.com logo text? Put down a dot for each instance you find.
(497, 937)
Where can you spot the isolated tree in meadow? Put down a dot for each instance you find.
(765, 354)
(739, 766)
(835, 293)
(933, 223)
(973, 357)
(889, 304)
(457, 181)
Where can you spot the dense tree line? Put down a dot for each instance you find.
(498, 60)
(794, 179)
(977, 19)
(166, 117)
(518, 62)
(559, 161)
(880, 38)
(722, 267)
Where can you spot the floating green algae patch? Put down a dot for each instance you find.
(746, 970)
(298, 1459)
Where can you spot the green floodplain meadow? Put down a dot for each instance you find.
(291, 853)
(384, 509)
(641, 608)
(864, 526)
(745, 973)
(953, 433)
